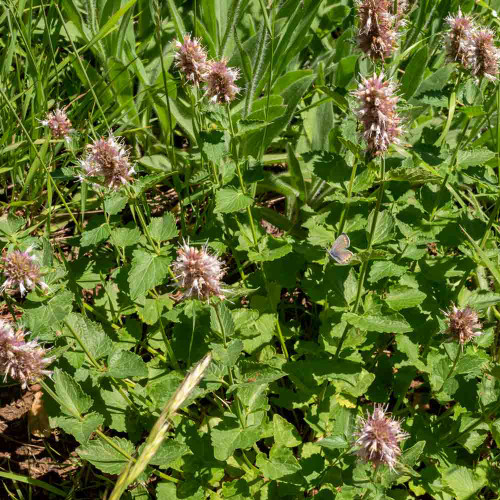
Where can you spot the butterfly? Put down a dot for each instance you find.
(339, 251)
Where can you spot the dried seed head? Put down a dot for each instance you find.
(484, 57)
(460, 39)
(191, 59)
(378, 438)
(377, 112)
(59, 124)
(220, 82)
(108, 159)
(21, 360)
(21, 271)
(463, 324)
(198, 272)
(377, 35)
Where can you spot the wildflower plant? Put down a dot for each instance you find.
(255, 364)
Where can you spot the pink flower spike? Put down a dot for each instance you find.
(59, 124)
(220, 82)
(378, 438)
(23, 361)
(21, 271)
(198, 272)
(191, 59)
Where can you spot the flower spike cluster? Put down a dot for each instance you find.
(108, 159)
(59, 124)
(472, 47)
(377, 112)
(191, 59)
(21, 271)
(22, 361)
(198, 272)
(378, 438)
(463, 324)
(378, 27)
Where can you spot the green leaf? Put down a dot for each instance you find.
(284, 432)
(385, 269)
(91, 334)
(384, 227)
(104, 456)
(71, 394)
(474, 157)
(95, 236)
(225, 317)
(464, 482)
(148, 270)
(163, 228)
(126, 237)
(404, 297)
(270, 249)
(387, 323)
(167, 453)
(115, 203)
(414, 72)
(228, 436)
(213, 146)
(281, 462)
(124, 364)
(334, 442)
(228, 200)
(228, 356)
(81, 429)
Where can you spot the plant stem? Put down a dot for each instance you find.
(452, 369)
(345, 209)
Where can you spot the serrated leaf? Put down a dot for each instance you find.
(281, 462)
(222, 315)
(385, 269)
(126, 237)
(213, 146)
(384, 227)
(284, 432)
(474, 157)
(163, 228)
(465, 482)
(228, 200)
(387, 323)
(148, 270)
(168, 452)
(414, 72)
(124, 364)
(104, 456)
(81, 429)
(69, 391)
(273, 249)
(404, 297)
(94, 236)
(334, 442)
(413, 175)
(91, 335)
(481, 299)
(228, 436)
(115, 203)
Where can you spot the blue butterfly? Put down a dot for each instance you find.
(339, 251)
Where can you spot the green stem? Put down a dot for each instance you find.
(345, 209)
(452, 369)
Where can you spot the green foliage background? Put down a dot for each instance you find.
(302, 347)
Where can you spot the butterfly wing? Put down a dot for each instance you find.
(339, 251)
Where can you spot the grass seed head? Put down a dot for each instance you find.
(21, 271)
(109, 159)
(220, 82)
(378, 438)
(191, 59)
(463, 324)
(199, 273)
(377, 113)
(22, 361)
